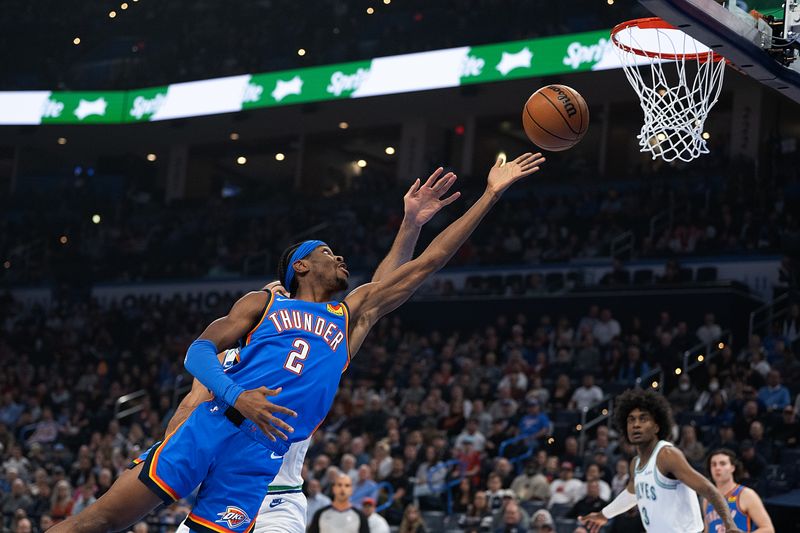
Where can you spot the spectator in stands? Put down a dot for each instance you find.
(692, 448)
(495, 491)
(316, 499)
(23, 526)
(758, 362)
(590, 503)
(377, 523)
(754, 463)
(366, 487)
(684, 396)
(606, 329)
(587, 358)
(773, 395)
(621, 477)
(710, 331)
(566, 490)
(478, 515)
(562, 392)
(472, 433)
(633, 367)
(531, 484)
(762, 445)
(85, 497)
(593, 473)
(512, 519)
(586, 395)
(534, 424)
(412, 521)
(787, 432)
(542, 522)
(18, 498)
(617, 276)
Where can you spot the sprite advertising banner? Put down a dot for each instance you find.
(422, 71)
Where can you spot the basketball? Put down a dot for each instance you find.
(555, 118)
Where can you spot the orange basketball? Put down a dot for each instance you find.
(555, 117)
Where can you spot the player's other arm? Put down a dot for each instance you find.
(671, 460)
(754, 507)
(370, 302)
(625, 501)
(420, 204)
(202, 362)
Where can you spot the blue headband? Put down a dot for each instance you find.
(301, 253)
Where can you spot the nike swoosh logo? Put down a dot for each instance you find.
(275, 503)
(273, 456)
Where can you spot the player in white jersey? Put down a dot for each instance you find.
(663, 484)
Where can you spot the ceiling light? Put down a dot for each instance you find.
(124, 6)
(279, 157)
(389, 150)
(63, 239)
(112, 14)
(234, 136)
(706, 135)
(241, 160)
(151, 157)
(343, 125)
(361, 163)
(370, 11)
(301, 52)
(61, 140)
(96, 218)
(76, 41)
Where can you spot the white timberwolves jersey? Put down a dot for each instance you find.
(290, 476)
(665, 505)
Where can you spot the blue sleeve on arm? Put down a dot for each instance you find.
(201, 361)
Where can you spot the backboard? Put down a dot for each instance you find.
(764, 44)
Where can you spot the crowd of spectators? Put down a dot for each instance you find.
(413, 399)
(157, 43)
(52, 238)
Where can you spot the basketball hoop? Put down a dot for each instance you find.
(678, 80)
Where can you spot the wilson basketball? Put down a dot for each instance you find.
(555, 117)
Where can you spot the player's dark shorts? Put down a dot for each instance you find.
(232, 469)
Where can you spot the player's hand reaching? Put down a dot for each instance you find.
(253, 405)
(593, 521)
(504, 173)
(277, 288)
(423, 201)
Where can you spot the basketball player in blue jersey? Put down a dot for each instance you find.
(299, 345)
(283, 509)
(746, 507)
(663, 484)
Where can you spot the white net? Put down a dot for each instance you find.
(678, 80)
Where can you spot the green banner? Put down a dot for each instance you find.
(422, 71)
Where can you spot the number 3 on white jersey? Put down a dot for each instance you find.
(293, 363)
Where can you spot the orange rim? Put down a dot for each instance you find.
(656, 23)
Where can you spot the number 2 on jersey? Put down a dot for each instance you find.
(293, 363)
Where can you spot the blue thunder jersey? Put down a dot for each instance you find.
(740, 518)
(302, 347)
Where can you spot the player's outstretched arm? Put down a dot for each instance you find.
(201, 361)
(671, 460)
(370, 302)
(624, 501)
(420, 204)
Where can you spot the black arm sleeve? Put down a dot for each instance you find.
(364, 527)
(314, 526)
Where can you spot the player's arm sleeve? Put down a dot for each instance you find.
(201, 358)
(623, 502)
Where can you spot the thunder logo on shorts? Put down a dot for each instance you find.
(234, 517)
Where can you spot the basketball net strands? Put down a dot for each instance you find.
(678, 80)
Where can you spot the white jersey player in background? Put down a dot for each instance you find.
(663, 484)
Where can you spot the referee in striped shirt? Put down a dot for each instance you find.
(340, 516)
